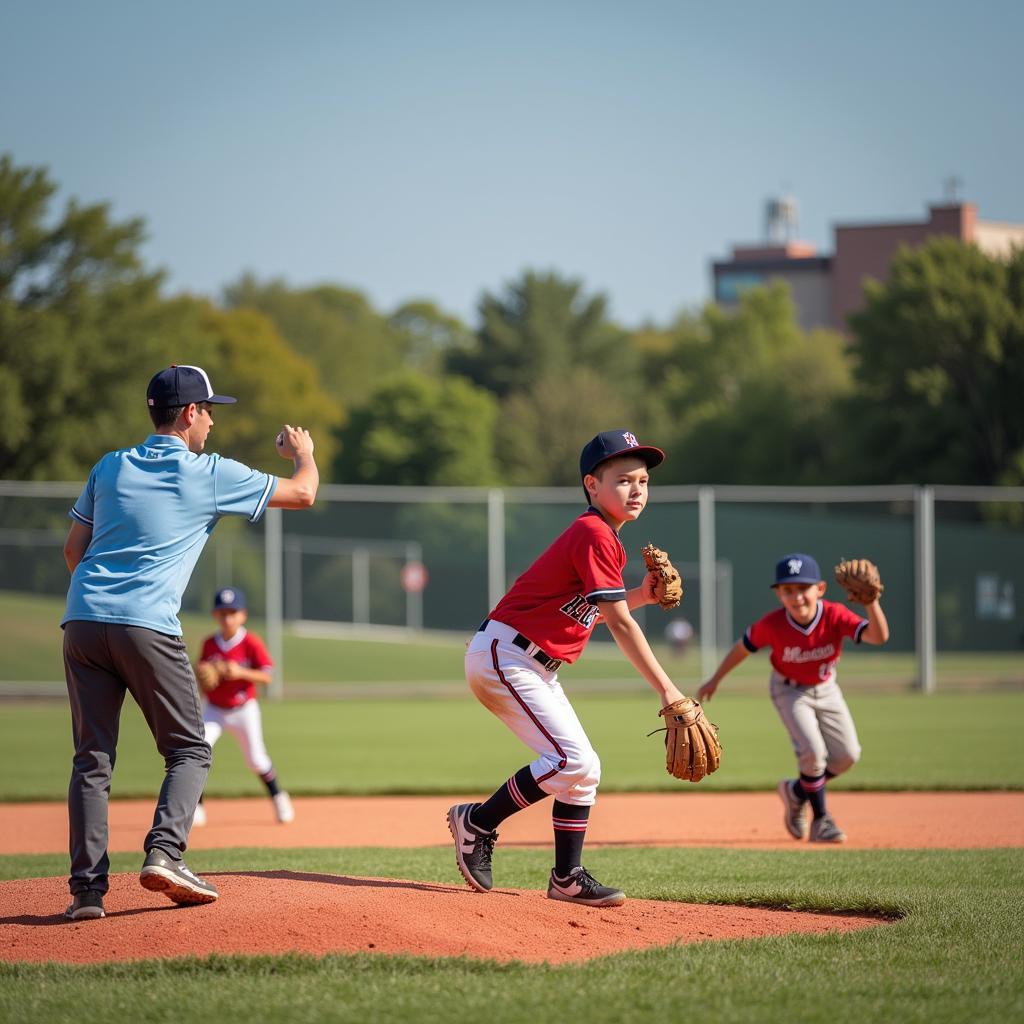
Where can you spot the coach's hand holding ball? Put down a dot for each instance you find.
(293, 442)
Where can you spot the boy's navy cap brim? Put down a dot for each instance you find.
(613, 444)
(652, 456)
(796, 579)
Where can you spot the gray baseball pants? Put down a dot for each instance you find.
(819, 724)
(103, 661)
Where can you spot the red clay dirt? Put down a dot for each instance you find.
(738, 820)
(277, 911)
(317, 913)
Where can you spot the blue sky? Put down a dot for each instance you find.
(436, 150)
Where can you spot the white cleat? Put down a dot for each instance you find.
(283, 810)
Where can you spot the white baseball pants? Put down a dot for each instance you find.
(246, 725)
(529, 700)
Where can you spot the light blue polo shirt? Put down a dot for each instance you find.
(151, 509)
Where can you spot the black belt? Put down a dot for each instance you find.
(520, 641)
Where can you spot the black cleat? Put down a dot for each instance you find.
(473, 848)
(85, 906)
(582, 887)
(171, 877)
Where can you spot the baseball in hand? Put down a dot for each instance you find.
(280, 440)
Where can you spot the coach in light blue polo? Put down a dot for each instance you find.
(138, 529)
(151, 509)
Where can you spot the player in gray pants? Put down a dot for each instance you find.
(137, 531)
(805, 637)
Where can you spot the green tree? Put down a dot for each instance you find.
(246, 357)
(543, 325)
(939, 359)
(541, 431)
(746, 396)
(416, 429)
(76, 303)
(337, 329)
(427, 334)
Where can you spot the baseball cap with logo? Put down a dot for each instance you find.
(229, 597)
(182, 385)
(797, 568)
(609, 444)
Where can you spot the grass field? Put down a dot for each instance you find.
(953, 956)
(30, 639)
(948, 741)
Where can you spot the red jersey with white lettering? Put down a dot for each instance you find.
(247, 650)
(554, 603)
(806, 654)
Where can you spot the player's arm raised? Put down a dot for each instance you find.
(877, 630)
(300, 490)
(631, 640)
(738, 653)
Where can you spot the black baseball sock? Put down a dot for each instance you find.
(270, 781)
(513, 795)
(570, 825)
(812, 789)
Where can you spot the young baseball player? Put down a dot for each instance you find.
(806, 637)
(512, 663)
(239, 661)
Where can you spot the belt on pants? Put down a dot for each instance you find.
(525, 644)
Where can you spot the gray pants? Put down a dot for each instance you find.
(101, 662)
(819, 724)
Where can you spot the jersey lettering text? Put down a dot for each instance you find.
(581, 610)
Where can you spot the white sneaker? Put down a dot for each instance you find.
(283, 807)
(199, 818)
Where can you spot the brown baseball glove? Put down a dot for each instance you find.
(860, 579)
(208, 676)
(669, 589)
(692, 749)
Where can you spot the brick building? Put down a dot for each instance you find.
(827, 288)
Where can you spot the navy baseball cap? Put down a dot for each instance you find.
(797, 568)
(182, 385)
(229, 597)
(611, 443)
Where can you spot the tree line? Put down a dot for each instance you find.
(925, 389)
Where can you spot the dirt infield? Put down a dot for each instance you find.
(317, 913)
(738, 820)
(279, 911)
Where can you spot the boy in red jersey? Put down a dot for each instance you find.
(242, 662)
(806, 637)
(544, 620)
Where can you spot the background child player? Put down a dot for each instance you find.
(806, 637)
(512, 662)
(236, 660)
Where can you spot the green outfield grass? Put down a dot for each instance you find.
(30, 640)
(948, 741)
(953, 956)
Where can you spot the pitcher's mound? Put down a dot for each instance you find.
(282, 911)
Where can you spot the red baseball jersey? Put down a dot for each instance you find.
(553, 603)
(248, 651)
(806, 654)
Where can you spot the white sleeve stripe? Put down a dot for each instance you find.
(860, 629)
(264, 498)
(606, 595)
(75, 514)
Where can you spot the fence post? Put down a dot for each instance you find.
(495, 545)
(924, 570)
(708, 581)
(273, 556)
